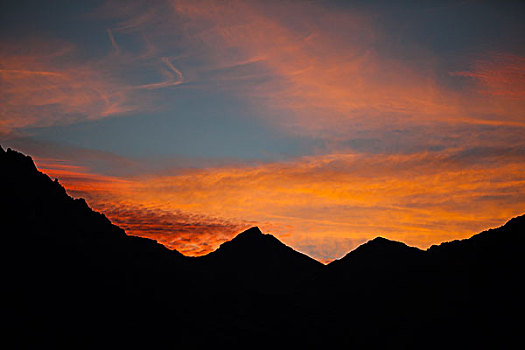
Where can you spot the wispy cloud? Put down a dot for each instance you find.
(39, 89)
(49, 84)
(327, 71)
(499, 74)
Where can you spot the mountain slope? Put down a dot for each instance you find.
(66, 265)
(34, 204)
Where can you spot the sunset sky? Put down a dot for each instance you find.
(325, 123)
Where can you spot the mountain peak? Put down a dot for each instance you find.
(17, 162)
(385, 242)
(377, 249)
(252, 232)
(380, 240)
(260, 248)
(251, 240)
(255, 260)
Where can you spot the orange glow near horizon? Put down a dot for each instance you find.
(346, 199)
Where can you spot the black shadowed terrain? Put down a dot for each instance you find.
(75, 280)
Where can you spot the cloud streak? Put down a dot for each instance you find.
(173, 77)
(36, 91)
(499, 75)
(49, 85)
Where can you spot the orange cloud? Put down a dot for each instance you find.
(38, 89)
(189, 233)
(325, 205)
(499, 75)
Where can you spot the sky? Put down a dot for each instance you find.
(325, 123)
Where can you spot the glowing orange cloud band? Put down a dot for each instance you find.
(311, 202)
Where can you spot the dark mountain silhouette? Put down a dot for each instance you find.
(379, 255)
(257, 261)
(75, 280)
(460, 294)
(69, 271)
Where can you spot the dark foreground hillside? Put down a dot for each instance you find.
(75, 280)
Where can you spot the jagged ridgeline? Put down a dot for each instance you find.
(74, 279)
